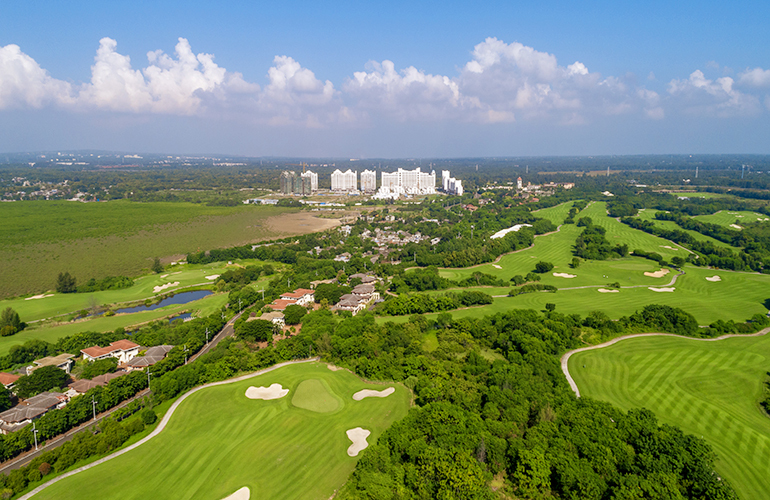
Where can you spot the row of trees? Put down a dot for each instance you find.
(419, 303)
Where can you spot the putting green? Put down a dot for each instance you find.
(219, 441)
(709, 389)
(313, 395)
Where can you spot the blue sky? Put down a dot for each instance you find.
(387, 79)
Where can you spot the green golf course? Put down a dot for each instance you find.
(219, 441)
(710, 389)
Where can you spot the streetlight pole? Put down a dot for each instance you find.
(185, 354)
(93, 404)
(34, 432)
(207, 336)
(148, 377)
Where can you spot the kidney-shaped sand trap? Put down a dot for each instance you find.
(664, 289)
(275, 391)
(368, 393)
(657, 274)
(242, 494)
(605, 290)
(565, 275)
(714, 278)
(358, 436)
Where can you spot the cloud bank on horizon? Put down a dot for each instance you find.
(501, 83)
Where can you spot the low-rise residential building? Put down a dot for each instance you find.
(300, 296)
(151, 356)
(31, 409)
(281, 304)
(123, 349)
(274, 317)
(8, 379)
(82, 386)
(62, 361)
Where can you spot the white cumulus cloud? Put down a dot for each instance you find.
(23, 83)
(756, 77)
(700, 95)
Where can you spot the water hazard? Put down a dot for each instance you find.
(180, 298)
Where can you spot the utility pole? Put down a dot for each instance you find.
(34, 432)
(185, 353)
(472, 227)
(93, 404)
(148, 377)
(263, 291)
(239, 304)
(207, 336)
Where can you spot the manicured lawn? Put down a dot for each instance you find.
(708, 389)
(725, 218)
(647, 214)
(218, 441)
(555, 214)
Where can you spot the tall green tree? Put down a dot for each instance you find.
(10, 322)
(65, 283)
(43, 379)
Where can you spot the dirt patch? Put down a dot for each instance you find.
(664, 289)
(275, 391)
(713, 278)
(606, 290)
(299, 223)
(358, 436)
(368, 393)
(657, 274)
(565, 275)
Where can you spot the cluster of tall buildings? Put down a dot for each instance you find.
(303, 184)
(450, 184)
(392, 184)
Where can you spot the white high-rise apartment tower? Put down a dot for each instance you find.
(344, 181)
(368, 181)
(313, 179)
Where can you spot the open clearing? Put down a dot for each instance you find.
(218, 441)
(43, 238)
(709, 389)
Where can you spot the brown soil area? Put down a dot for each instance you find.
(299, 223)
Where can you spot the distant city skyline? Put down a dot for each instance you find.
(392, 80)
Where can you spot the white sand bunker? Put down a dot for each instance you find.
(496, 266)
(565, 275)
(333, 368)
(358, 436)
(669, 248)
(41, 296)
(605, 290)
(713, 278)
(242, 494)
(657, 274)
(368, 393)
(735, 226)
(212, 277)
(160, 288)
(664, 289)
(275, 391)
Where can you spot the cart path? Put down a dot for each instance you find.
(162, 424)
(566, 356)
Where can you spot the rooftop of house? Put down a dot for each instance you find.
(298, 293)
(271, 316)
(8, 378)
(281, 304)
(53, 360)
(151, 356)
(119, 345)
(363, 289)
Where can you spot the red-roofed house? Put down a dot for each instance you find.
(8, 379)
(281, 304)
(300, 296)
(123, 349)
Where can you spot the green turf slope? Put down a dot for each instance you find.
(709, 389)
(219, 441)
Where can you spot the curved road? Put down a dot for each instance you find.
(161, 425)
(566, 356)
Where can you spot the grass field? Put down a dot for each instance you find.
(51, 332)
(645, 214)
(708, 389)
(725, 218)
(219, 441)
(94, 240)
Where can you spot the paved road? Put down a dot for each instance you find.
(161, 425)
(25, 458)
(565, 358)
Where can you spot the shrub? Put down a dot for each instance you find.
(148, 416)
(543, 267)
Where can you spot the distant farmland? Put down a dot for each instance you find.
(40, 239)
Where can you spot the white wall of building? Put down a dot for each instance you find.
(368, 181)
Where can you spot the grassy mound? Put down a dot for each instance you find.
(218, 441)
(709, 389)
(313, 395)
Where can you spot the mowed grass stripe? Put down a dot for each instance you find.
(709, 389)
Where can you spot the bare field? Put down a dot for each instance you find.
(117, 239)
